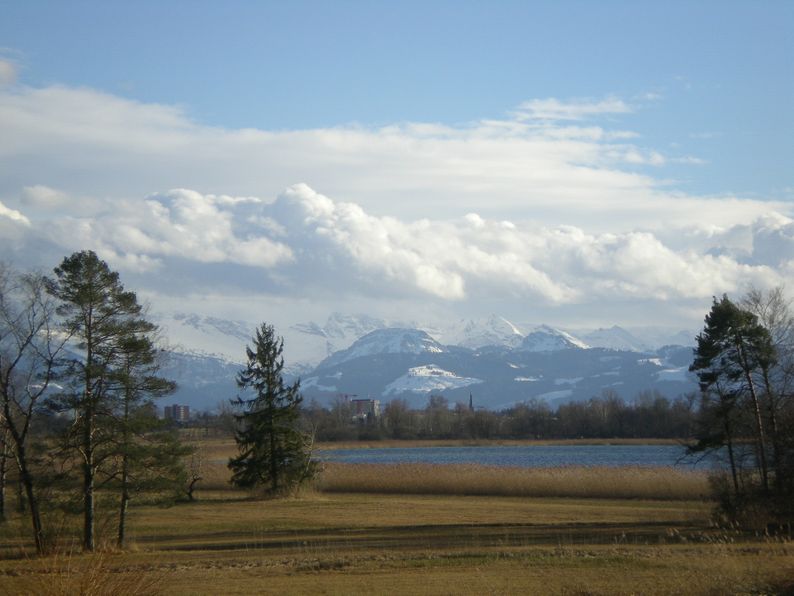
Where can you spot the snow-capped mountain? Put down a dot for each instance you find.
(386, 341)
(477, 333)
(547, 339)
(311, 342)
(367, 356)
(190, 333)
(614, 338)
(550, 365)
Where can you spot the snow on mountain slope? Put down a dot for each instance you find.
(477, 333)
(426, 379)
(311, 342)
(387, 341)
(656, 337)
(341, 326)
(211, 336)
(614, 338)
(547, 339)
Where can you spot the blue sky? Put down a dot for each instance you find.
(595, 160)
(721, 69)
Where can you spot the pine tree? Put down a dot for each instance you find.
(146, 459)
(274, 453)
(732, 351)
(106, 322)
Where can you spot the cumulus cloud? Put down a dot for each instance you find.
(311, 243)
(539, 208)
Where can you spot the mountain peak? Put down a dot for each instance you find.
(395, 340)
(548, 339)
(493, 330)
(615, 338)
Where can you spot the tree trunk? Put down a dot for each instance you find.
(125, 499)
(3, 477)
(731, 458)
(88, 481)
(777, 449)
(759, 425)
(273, 462)
(125, 469)
(26, 482)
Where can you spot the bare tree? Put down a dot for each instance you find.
(774, 312)
(29, 348)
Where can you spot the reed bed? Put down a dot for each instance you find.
(663, 483)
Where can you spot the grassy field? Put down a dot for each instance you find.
(372, 541)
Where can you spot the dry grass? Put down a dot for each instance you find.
(465, 479)
(472, 479)
(334, 543)
(67, 573)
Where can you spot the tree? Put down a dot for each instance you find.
(399, 419)
(105, 321)
(774, 313)
(745, 364)
(29, 351)
(274, 453)
(731, 349)
(144, 458)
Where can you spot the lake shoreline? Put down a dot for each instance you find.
(430, 443)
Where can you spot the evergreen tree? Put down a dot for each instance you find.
(731, 350)
(274, 453)
(108, 326)
(146, 458)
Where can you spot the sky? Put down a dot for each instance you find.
(580, 164)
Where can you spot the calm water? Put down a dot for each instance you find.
(533, 456)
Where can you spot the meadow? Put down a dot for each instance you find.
(418, 529)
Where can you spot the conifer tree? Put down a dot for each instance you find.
(274, 454)
(730, 351)
(106, 322)
(146, 458)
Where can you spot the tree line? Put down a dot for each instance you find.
(650, 415)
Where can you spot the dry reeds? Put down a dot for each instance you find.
(468, 479)
(68, 572)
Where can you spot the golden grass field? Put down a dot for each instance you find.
(374, 539)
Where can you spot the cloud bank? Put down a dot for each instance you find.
(543, 163)
(542, 207)
(305, 240)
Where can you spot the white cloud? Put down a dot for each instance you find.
(8, 72)
(554, 109)
(91, 144)
(40, 195)
(311, 241)
(555, 216)
(13, 215)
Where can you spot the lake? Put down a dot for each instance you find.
(529, 456)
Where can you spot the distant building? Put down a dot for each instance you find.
(177, 413)
(365, 409)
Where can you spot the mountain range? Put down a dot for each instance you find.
(491, 360)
